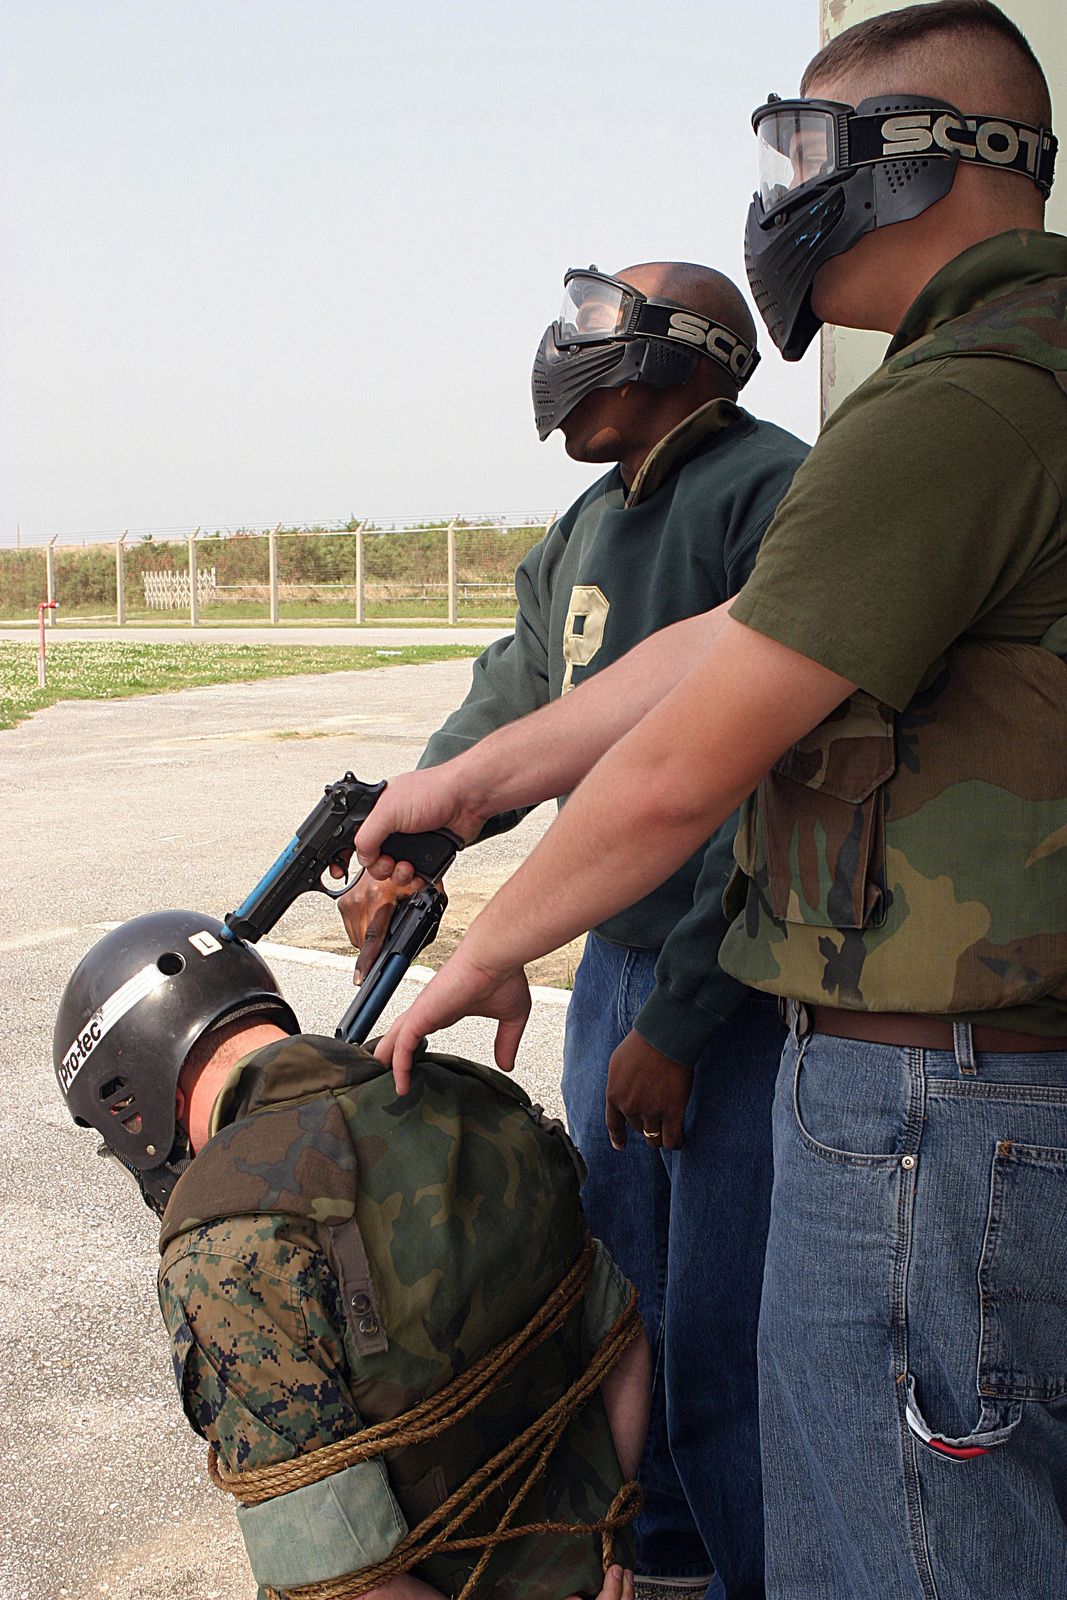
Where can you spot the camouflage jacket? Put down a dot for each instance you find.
(910, 861)
(334, 1255)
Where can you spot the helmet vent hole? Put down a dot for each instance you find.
(170, 963)
(133, 1124)
(112, 1086)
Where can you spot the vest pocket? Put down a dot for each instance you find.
(823, 816)
(1022, 1278)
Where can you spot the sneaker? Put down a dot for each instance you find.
(646, 1588)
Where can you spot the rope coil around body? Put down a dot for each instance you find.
(441, 1531)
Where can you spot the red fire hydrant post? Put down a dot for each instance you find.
(44, 605)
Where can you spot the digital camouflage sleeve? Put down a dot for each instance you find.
(255, 1324)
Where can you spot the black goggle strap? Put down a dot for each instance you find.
(662, 320)
(988, 141)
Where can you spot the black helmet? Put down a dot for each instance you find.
(131, 1012)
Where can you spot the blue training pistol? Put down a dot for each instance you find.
(325, 834)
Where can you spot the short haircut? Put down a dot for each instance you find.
(908, 34)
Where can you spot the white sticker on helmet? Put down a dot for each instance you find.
(205, 942)
(143, 983)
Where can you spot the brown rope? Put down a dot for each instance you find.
(540, 1439)
(424, 1421)
(439, 1531)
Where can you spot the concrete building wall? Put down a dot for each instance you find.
(849, 356)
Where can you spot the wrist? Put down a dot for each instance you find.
(485, 947)
(475, 778)
(678, 1028)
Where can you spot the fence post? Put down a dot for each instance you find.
(50, 573)
(452, 572)
(194, 597)
(41, 609)
(120, 580)
(360, 607)
(272, 549)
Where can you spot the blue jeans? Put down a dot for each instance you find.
(913, 1336)
(688, 1227)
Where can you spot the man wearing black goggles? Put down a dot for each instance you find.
(609, 333)
(831, 173)
(640, 373)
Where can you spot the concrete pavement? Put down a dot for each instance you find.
(109, 809)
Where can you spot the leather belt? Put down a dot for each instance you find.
(924, 1033)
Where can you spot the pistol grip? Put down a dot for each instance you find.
(431, 854)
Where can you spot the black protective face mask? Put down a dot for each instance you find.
(830, 173)
(609, 333)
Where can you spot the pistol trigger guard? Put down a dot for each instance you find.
(335, 894)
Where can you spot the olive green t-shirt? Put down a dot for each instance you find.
(932, 505)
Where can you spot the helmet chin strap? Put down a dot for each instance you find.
(156, 1185)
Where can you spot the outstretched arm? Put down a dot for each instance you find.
(647, 805)
(540, 756)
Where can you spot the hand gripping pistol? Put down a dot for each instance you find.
(328, 830)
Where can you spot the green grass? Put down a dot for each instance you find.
(97, 671)
(290, 611)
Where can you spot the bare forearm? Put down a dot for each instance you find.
(657, 794)
(540, 756)
(549, 752)
(627, 1391)
(645, 807)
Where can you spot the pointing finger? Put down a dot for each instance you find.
(506, 1045)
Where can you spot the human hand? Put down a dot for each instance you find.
(462, 988)
(618, 1585)
(650, 1092)
(367, 910)
(402, 874)
(416, 802)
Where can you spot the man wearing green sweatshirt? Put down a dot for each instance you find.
(643, 370)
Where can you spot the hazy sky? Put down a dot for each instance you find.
(289, 260)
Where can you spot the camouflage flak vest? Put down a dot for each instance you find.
(913, 861)
(448, 1217)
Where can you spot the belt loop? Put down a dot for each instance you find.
(798, 1019)
(963, 1045)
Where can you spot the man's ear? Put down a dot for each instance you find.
(179, 1109)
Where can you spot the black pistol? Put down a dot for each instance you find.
(412, 927)
(329, 829)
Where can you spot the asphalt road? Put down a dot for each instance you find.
(110, 809)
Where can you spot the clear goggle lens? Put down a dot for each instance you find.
(593, 308)
(795, 146)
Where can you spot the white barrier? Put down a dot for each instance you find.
(169, 591)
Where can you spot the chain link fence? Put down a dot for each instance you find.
(462, 569)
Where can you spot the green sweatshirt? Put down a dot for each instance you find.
(611, 570)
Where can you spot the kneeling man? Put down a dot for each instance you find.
(412, 1364)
